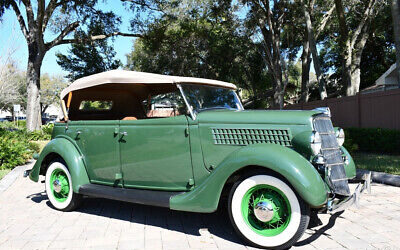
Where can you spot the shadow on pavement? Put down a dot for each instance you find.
(217, 223)
(38, 197)
(320, 231)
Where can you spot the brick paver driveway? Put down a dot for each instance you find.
(27, 221)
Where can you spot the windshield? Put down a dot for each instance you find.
(202, 98)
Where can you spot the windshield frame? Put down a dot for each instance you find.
(194, 113)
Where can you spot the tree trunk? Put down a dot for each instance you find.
(33, 111)
(355, 74)
(346, 74)
(344, 47)
(314, 52)
(396, 27)
(305, 70)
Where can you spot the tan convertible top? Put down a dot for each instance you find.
(134, 77)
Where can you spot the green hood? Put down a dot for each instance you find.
(276, 117)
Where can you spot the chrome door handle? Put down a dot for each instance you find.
(124, 133)
(78, 133)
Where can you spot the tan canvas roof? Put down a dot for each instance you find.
(134, 77)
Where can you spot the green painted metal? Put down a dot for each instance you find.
(271, 117)
(62, 178)
(301, 143)
(155, 154)
(65, 148)
(246, 136)
(99, 144)
(280, 207)
(296, 169)
(350, 168)
(218, 130)
(181, 154)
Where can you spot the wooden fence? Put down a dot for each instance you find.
(373, 110)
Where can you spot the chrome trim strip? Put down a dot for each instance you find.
(187, 103)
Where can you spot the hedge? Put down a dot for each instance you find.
(373, 140)
(17, 144)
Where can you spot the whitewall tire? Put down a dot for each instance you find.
(59, 187)
(266, 212)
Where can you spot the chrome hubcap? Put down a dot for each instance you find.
(264, 211)
(57, 186)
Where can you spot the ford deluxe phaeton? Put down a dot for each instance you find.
(186, 144)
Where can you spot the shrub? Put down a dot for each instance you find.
(376, 140)
(14, 149)
(34, 147)
(48, 130)
(17, 144)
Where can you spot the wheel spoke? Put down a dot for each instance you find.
(279, 203)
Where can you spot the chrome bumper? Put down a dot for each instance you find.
(334, 206)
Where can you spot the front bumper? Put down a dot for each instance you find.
(334, 206)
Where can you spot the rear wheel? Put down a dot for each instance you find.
(266, 212)
(59, 187)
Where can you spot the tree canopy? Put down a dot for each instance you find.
(276, 51)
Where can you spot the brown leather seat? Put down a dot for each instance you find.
(129, 118)
(161, 113)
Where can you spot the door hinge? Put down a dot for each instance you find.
(118, 176)
(116, 131)
(186, 132)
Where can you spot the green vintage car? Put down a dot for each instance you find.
(187, 144)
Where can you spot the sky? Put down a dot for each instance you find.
(12, 39)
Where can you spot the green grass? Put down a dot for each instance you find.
(377, 162)
(3, 172)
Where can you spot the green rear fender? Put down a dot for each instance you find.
(67, 151)
(295, 168)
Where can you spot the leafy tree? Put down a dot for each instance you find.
(354, 21)
(11, 86)
(379, 52)
(51, 87)
(396, 28)
(88, 57)
(309, 20)
(62, 18)
(204, 41)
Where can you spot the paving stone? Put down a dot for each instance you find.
(27, 221)
(324, 242)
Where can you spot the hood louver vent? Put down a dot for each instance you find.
(235, 136)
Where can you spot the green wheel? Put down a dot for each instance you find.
(266, 212)
(59, 187)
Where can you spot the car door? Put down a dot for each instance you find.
(98, 142)
(155, 153)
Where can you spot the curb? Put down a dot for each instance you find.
(379, 177)
(10, 178)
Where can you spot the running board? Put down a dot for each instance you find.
(139, 196)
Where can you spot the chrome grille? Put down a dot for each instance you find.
(239, 136)
(331, 152)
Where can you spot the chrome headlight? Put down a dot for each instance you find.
(340, 136)
(316, 143)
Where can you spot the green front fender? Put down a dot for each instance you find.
(350, 168)
(70, 154)
(295, 168)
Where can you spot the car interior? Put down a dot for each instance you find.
(125, 102)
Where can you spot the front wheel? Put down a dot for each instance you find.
(266, 212)
(59, 187)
